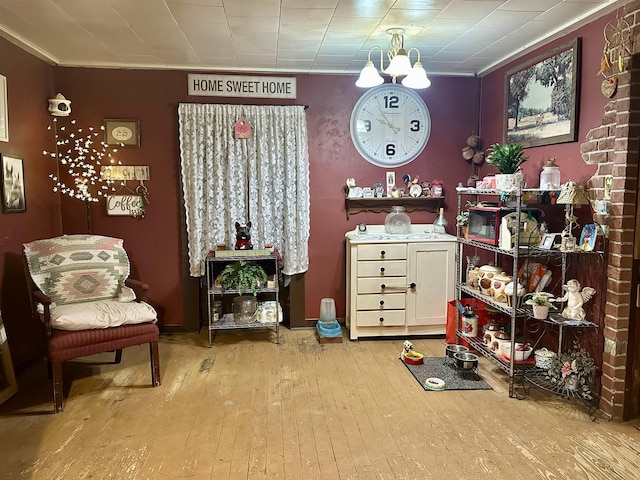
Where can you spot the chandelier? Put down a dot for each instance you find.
(399, 65)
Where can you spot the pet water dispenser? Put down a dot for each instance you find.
(328, 326)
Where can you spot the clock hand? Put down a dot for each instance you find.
(390, 125)
(387, 122)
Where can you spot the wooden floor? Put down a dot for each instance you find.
(250, 409)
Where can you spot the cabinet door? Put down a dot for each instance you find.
(431, 266)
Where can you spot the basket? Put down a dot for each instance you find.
(544, 358)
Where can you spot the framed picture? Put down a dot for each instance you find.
(547, 241)
(541, 98)
(13, 199)
(568, 244)
(4, 113)
(588, 237)
(123, 132)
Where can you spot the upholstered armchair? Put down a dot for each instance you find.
(82, 293)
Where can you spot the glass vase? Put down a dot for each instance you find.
(397, 221)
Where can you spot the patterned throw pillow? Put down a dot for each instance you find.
(78, 268)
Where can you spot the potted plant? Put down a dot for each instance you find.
(243, 275)
(573, 371)
(507, 158)
(462, 220)
(540, 302)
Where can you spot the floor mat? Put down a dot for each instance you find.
(444, 368)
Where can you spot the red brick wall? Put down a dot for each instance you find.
(613, 147)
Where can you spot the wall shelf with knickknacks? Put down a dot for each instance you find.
(384, 204)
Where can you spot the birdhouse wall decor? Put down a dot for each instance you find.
(242, 128)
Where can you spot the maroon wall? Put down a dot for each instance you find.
(155, 243)
(591, 107)
(29, 85)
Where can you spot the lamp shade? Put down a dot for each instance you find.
(369, 76)
(400, 64)
(417, 78)
(572, 194)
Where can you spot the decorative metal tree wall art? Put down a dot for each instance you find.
(80, 154)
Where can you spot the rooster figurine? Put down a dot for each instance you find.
(575, 298)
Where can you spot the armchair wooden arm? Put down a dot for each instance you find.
(39, 297)
(140, 289)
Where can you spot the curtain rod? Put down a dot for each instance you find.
(306, 107)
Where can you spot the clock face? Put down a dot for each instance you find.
(390, 125)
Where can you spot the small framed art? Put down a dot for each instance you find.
(588, 237)
(123, 132)
(568, 244)
(13, 197)
(547, 241)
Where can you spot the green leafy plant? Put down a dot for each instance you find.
(242, 276)
(574, 368)
(462, 220)
(543, 299)
(506, 158)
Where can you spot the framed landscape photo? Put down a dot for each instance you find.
(541, 98)
(123, 132)
(13, 197)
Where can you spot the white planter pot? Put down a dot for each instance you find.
(509, 182)
(540, 312)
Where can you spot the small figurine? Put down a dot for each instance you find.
(243, 236)
(407, 347)
(575, 299)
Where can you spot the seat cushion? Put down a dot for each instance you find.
(64, 345)
(78, 268)
(101, 314)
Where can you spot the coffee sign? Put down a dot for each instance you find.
(124, 205)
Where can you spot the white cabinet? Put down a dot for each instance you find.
(399, 284)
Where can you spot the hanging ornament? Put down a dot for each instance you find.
(242, 128)
(609, 86)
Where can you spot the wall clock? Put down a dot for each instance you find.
(390, 125)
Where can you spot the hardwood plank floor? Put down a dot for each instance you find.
(251, 409)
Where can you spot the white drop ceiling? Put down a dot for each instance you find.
(454, 37)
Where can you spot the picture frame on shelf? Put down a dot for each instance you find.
(588, 237)
(568, 244)
(548, 241)
(122, 132)
(4, 110)
(12, 176)
(541, 98)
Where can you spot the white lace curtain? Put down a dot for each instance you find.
(263, 179)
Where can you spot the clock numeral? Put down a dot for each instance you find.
(415, 125)
(391, 101)
(391, 149)
(367, 125)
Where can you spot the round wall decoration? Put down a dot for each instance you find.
(390, 125)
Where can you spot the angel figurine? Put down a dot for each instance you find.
(575, 298)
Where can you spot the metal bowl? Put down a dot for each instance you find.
(466, 360)
(450, 350)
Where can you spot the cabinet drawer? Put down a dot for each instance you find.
(382, 285)
(387, 318)
(383, 251)
(382, 268)
(381, 302)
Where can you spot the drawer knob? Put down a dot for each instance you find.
(381, 319)
(381, 269)
(383, 286)
(381, 302)
(412, 285)
(382, 253)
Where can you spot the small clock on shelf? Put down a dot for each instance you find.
(390, 125)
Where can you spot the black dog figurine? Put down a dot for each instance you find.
(243, 236)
